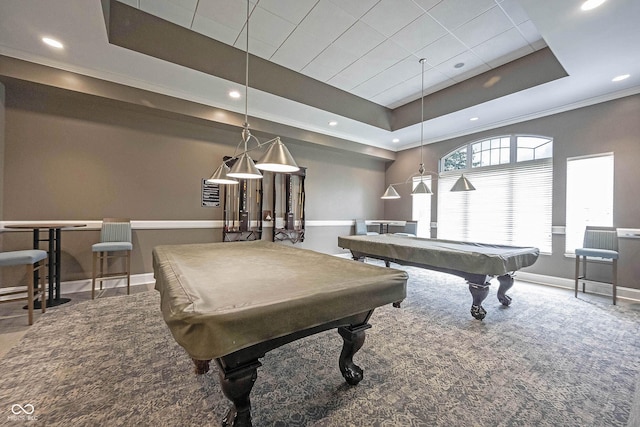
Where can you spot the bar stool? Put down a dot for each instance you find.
(115, 242)
(599, 242)
(34, 260)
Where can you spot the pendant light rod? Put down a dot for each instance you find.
(246, 76)
(422, 61)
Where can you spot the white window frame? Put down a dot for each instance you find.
(589, 196)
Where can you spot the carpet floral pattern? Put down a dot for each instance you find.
(547, 360)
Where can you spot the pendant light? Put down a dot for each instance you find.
(277, 157)
(462, 184)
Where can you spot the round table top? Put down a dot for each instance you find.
(49, 225)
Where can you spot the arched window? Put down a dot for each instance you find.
(513, 177)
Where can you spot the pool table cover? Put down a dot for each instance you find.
(217, 298)
(479, 258)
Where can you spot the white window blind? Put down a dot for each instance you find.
(589, 196)
(421, 208)
(511, 205)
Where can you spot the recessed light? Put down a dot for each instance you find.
(52, 42)
(333, 123)
(395, 140)
(620, 78)
(234, 94)
(473, 119)
(459, 65)
(591, 4)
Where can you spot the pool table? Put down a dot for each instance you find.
(477, 263)
(233, 302)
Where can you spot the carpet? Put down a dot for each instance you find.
(547, 360)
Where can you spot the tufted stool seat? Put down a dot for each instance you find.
(34, 260)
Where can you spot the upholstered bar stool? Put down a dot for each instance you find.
(115, 242)
(599, 242)
(34, 260)
(361, 228)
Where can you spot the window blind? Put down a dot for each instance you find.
(589, 196)
(512, 205)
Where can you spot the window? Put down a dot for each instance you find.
(421, 208)
(589, 196)
(455, 160)
(533, 148)
(489, 152)
(512, 201)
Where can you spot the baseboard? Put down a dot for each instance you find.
(85, 284)
(598, 288)
(540, 279)
(559, 282)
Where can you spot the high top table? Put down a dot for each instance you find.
(53, 250)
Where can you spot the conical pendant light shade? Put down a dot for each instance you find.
(244, 168)
(391, 193)
(278, 159)
(220, 176)
(421, 188)
(462, 184)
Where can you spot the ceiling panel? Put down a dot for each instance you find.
(394, 75)
(355, 8)
(511, 42)
(484, 27)
(359, 39)
(267, 28)
(390, 16)
(329, 62)
(515, 12)
(442, 50)
(472, 66)
(232, 14)
(453, 13)
(291, 10)
(419, 33)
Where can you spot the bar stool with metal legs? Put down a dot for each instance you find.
(115, 242)
(34, 260)
(599, 242)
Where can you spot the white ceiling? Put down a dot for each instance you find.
(369, 48)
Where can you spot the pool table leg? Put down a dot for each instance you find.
(479, 294)
(353, 337)
(201, 366)
(236, 384)
(506, 282)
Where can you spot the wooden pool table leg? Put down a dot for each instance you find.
(353, 337)
(479, 294)
(236, 384)
(506, 282)
(201, 366)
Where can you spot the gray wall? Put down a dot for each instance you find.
(78, 157)
(612, 126)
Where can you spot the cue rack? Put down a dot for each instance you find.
(288, 206)
(242, 213)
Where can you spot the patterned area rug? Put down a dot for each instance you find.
(547, 360)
